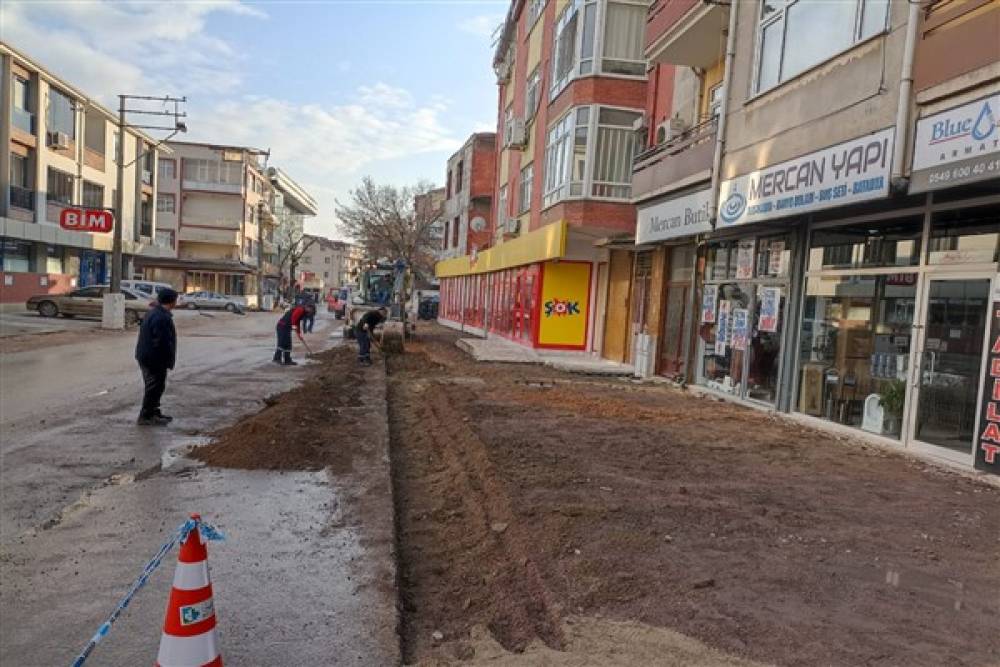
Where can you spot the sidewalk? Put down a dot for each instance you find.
(503, 351)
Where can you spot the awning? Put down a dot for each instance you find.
(217, 266)
(541, 245)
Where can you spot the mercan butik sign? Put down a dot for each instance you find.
(851, 172)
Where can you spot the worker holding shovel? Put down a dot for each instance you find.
(363, 332)
(290, 320)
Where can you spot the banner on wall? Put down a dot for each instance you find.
(709, 299)
(562, 321)
(988, 428)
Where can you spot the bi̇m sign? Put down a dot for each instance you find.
(86, 220)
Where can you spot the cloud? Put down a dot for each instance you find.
(484, 25)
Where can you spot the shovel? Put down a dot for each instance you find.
(309, 352)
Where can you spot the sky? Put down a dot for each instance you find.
(335, 89)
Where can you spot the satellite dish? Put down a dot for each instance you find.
(477, 224)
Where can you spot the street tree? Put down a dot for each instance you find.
(292, 244)
(394, 223)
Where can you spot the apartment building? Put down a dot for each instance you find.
(291, 205)
(572, 89)
(328, 264)
(818, 224)
(213, 204)
(468, 206)
(62, 152)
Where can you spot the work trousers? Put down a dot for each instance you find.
(364, 345)
(154, 381)
(307, 323)
(284, 347)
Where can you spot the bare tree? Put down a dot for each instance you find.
(292, 245)
(395, 223)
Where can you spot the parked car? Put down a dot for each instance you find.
(88, 302)
(146, 287)
(210, 300)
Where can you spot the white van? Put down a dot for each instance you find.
(146, 287)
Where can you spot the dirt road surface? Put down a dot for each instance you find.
(589, 521)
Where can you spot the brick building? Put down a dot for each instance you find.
(468, 206)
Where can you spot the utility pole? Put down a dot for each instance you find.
(116, 244)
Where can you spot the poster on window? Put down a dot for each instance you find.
(776, 259)
(741, 322)
(744, 260)
(770, 300)
(988, 428)
(722, 328)
(709, 299)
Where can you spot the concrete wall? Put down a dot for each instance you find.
(848, 96)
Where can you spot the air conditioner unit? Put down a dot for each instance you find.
(516, 134)
(670, 129)
(639, 123)
(58, 140)
(512, 225)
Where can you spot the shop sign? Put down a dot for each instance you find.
(960, 145)
(988, 428)
(86, 220)
(682, 216)
(848, 173)
(770, 301)
(709, 297)
(565, 297)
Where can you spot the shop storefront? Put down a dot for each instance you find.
(661, 296)
(525, 291)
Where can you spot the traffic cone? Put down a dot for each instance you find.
(189, 638)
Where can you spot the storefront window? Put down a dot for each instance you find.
(53, 259)
(867, 245)
(722, 361)
(854, 349)
(965, 236)
(16, 256)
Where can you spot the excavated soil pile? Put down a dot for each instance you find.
(316, 425)
(538, 507)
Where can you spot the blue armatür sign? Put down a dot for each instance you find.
(854, 171)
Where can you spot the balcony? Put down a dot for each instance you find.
(688, 155)
(22, 198)
(212, 186)
(23, 120)
(686, 32)
(214, 236)
(224, 223)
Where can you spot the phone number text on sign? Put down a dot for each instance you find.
(965, 171)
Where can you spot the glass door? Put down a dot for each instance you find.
(949, 362)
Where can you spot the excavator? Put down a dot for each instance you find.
(382, 283)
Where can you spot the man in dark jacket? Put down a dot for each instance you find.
(156, 352)
(363, 332)
(290, 320)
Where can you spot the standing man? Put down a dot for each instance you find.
(309, 318)
(366, 325)
(156, 352)
(290, 320)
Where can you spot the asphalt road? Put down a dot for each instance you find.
(86, 498)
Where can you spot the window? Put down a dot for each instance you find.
(19, 171)
(508, 128)
(16, 256)
(53, 259)
(93, 195)
(165, 203)
(167, 168)
(532, 93)
(614, 149)
(789, 42)
(715, 101)
(524, 189)
(213, 171)
(326, 260)
(146, 219)
(564, 49)
(60, 186)
(459, 176)
(165, 238)
(60, 115)
(535, 8)
(566, 156)
(456, 225)
(22, 116)
(885, 244)
(502, 213)
(94, 132)
(326, 274)
(624, 36)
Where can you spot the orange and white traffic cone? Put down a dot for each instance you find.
(189, 638)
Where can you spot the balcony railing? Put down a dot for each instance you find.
(22, 198)
(687, 154)
(23, 120)
(212, 186)
(226, 223)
